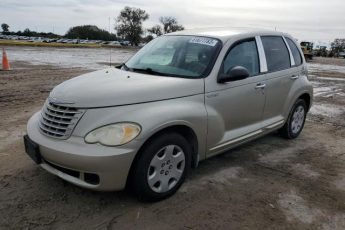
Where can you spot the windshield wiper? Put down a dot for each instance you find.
(123, 66)
(149, 71)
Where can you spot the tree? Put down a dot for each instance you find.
(337, 46)
(170, 24)
(27, 32)
(147, 39)
(5, 27)
(89, 32)
(129, 24)
(157, 30)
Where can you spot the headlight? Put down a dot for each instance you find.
(113, 135)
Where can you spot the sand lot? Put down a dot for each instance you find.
(270, 183)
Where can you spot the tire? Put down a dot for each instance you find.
(161, 167)
(295, 122)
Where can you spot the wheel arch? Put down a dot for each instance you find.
(184, 130)
(306, 97)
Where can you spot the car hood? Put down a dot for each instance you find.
(113, 87)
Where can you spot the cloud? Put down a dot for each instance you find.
(308, 19)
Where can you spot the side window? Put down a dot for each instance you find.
(295, 52)
(277, 54)
(244, 54)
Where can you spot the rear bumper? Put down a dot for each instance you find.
(76, 161)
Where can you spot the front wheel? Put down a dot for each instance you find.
(161, 167)
(296, 119)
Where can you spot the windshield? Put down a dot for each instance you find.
(179, 56)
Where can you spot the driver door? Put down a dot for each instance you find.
(235, 108)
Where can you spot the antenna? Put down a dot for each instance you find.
(110, 44)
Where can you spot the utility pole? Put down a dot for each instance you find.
(109, 41)
(109, 25)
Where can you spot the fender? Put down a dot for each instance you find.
(296, 91)
(152, 117)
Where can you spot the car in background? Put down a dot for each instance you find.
(141, 44)
(125, 43)
(83, 41)
(114, 43)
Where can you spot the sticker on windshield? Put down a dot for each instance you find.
(204, 41)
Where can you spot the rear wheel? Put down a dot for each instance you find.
(296, 119)
(161, 167)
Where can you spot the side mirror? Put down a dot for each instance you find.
(235, 73)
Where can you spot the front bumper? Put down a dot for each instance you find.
(76, 161)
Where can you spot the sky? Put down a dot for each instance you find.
(315, 20)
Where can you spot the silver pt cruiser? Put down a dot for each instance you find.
(184, 97)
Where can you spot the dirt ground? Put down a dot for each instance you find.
(270, 183)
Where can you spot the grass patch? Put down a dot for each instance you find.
(54, 44)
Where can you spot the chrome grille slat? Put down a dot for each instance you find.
(59, 116)
(58, 121)
(51, 131)
(61, 111)
(53, 126)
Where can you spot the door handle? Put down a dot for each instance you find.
(294, 77)
(260, 86)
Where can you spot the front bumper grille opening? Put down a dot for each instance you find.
(90, 178)
(70, 172)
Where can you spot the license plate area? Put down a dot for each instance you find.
(32, 149)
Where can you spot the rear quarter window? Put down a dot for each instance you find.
(295, 52)
(277, 54)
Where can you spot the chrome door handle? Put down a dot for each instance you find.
(294, 77)
(260, 86)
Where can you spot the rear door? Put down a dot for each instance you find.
(279, 79)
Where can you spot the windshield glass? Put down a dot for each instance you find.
(180, 56)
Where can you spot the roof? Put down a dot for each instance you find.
(225, 34)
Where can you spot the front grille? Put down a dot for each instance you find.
(59, 121)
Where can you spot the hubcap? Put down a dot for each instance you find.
(297, 119)
(166, 168)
